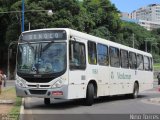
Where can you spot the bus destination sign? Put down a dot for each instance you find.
(44, 35)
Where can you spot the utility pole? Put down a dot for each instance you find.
(29, 28)
(152, 45)
(133, 40)
(146, 45)
(22, 15)
(147, 40)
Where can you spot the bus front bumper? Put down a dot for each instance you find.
(59, 93)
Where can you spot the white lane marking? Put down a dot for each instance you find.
(22, 110)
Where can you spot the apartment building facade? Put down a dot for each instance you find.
(148, 13)
(148, 16)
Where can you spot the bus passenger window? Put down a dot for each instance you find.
(92, 53)
(132, 60)
(77, 55)
(146, 63)
(102, 54)
(124, 59)
(140, 62)
(114, 57)
(151, 64)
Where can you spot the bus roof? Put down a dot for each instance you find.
(107, 42)
(89, 37)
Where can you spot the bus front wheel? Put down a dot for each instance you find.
(47, 101)
(89, 95)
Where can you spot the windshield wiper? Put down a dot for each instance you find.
(47, 46)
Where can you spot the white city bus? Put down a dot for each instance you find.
(62, 63)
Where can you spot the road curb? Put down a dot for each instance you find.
(6, 101)
(153, 101)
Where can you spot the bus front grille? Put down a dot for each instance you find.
(38, 92)
(41, 86)
(38, 80)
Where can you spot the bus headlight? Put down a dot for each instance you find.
(58, 84)
(19, 81)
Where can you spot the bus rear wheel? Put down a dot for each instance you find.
(135, 91)
(89, 95)
(134, 95)
(47, 101)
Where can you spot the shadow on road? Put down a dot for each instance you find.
(116, 98)
(62, 105)
(58, 105)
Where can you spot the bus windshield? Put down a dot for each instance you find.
(41, 58)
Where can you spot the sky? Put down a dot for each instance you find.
(131, 5)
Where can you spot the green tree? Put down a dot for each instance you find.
(97, 17)
(130, 30)
(103, 14)
(66, 13)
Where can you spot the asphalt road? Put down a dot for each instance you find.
(105, 108)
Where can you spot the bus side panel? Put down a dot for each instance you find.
(126, 80)
(77, 84)
(103, 81)
(113, 83)
(145, 79)
(121, 81)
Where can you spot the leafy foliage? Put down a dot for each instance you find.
(96, 17)
(130, 30)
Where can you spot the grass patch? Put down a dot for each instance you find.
(15, 111)
(11, 110)
(156, 64)
(156, 67)
(8, 94)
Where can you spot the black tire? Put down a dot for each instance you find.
(135, 91)
(89, 95)
(47, 101)
(159, 82)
